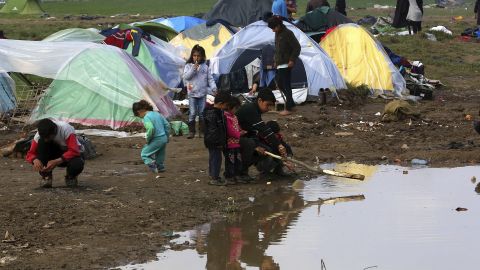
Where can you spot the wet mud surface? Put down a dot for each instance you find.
(122, 214)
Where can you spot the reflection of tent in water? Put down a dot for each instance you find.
(314, 67)
(7, 93)
(76, 34)
(211, 38)
(239, 13)
(93, 84)
(362, 60)
(25, 7)
(352, 167)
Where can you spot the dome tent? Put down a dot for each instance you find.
(24, 7)
(76, 34)
(239, 13)
(361, 59)
(180, 23)
(246, 45)
(93, 84)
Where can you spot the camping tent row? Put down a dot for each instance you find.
(24, 7)
(92, 84)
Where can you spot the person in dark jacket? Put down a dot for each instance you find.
(287, 50)
(313, 4)
(341, 7)
(250, 120)
(215, 137)
(402, 11)
(477, 12)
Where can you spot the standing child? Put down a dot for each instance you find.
(233, 159)
(199, 82)
(215, 138)
(153, 153)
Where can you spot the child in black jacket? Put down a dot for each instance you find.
(215, 137)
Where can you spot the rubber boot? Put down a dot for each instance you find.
(191, 128)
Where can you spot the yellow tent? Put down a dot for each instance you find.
(361, 59)
(210, 38)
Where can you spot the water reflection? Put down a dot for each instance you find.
(404, 221)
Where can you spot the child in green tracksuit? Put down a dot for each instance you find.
(153, 153)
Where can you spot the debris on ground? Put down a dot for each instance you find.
(9, 238)
(460, 209)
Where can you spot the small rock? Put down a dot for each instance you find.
(405, 146)
(474, 179)
(461, 209)
(384, 158)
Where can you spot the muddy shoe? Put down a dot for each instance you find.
(71, 181)
(245, 178)
(217, 182)
(46, 182)
(153, 167)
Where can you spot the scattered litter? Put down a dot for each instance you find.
(381, 6)
(251, 199)
(441, 28)
(109, 189)
(474, 179)
(417, 161)
(405, 146)
(461, 209)
(344, 134)
(230, 199)
(39, 251)
(431, 37)
(7, 259)
(150, 202)
(269, 183)
(9, 238)
(109, 133)
(197, 180)
(384, 158)
(378, 114)
(157, 177)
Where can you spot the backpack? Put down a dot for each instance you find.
(89, 150)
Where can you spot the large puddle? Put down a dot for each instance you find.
(405, 221)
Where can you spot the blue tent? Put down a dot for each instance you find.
(180, 23)
(7, 93)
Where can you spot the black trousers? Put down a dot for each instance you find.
(414, 26)
(233, 162)
(284, 80)
(214, 162)
(47, 151)
(250, 157)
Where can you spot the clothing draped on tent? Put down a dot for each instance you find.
(93, 84)
(246, 45)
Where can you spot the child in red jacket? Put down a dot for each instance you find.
(233, 159)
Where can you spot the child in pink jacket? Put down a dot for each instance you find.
(233, 159)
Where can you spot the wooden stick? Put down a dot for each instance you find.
(318, 170)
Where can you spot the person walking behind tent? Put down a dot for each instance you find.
(199, 82)
(215, 137)
(287, 50)
(414, 16)
(56, 144)
(279, 8)
(157, 133)
(341, 7)
(291, 8)
(233, 158)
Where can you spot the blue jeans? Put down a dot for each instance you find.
(214, 162)
(196, 107)
(155, 152)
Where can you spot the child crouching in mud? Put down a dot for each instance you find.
(157, 128)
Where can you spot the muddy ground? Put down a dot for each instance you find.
(121, 213)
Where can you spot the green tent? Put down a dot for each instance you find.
(76, 34)
(159, 30)
(25, 7)
(92, 94)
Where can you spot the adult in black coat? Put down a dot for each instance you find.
(341, 7)
(477, 12)
(401, 11)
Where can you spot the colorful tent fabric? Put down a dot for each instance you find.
(362, 60)
(180, 23)
(157, 29)
(239, 13)
(246, 45)
(25, 7)
(76, 34)
(210, 38)
(93, 84)
(7, 93)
